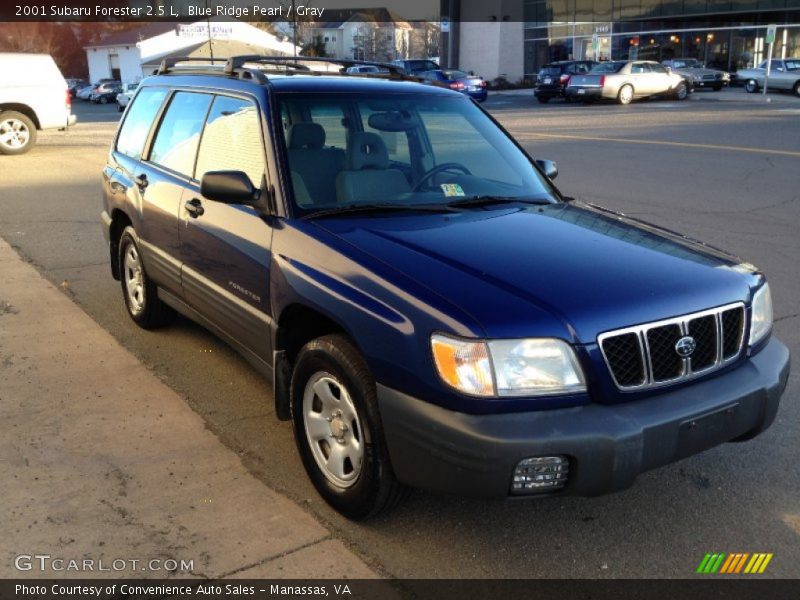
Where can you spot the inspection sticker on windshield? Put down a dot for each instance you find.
(452, 189)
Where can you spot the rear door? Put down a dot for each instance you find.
(226, 249)
(642, 79)
(161, 179)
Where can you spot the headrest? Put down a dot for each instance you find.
(306, 135)
(366, 150)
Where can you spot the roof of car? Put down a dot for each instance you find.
(303, 83)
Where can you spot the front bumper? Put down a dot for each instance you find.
(584, 93)
(608, 445)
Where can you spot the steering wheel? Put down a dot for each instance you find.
(449, 166)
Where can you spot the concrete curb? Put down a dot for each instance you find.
(103, 462)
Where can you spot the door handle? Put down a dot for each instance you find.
(141, 182)
(194, 207)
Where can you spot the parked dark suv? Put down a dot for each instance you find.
(553, 78)
(431, 310)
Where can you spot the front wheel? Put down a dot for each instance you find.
(751, 87)
(140, 293)
(796, 89)
(17, 133)
(681, 91)
(103, 100)
(625, 95)
(543, 99)
(338, 430)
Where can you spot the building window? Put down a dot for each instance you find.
(113, 66)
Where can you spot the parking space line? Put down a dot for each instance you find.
(531, 136)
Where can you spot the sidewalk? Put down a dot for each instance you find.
(102, 461)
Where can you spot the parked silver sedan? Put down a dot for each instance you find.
(625, 80)
(783, 75)
(700, 75)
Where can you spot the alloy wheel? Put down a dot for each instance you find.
(14, 134)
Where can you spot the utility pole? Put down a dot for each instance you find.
(208, 25)
(294, 30)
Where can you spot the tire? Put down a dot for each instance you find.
(681, 91)
(543, 99)
(717, 88)
(139, 293)
(103, 100)
(17, 133)
(625, 94)
(120, 108)
(796, 89)
(751, 86)
(333, 394)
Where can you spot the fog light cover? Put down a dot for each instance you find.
(540, 474)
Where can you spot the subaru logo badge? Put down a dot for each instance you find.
(685, 346)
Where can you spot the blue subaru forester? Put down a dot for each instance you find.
(431, 310)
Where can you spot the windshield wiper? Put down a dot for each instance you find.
(488, 200)
(372, 208)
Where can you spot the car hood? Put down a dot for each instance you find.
(562, 270)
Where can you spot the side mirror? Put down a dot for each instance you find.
(229, 187)
(549, 167)
(669, 69)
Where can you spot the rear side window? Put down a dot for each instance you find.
(175, 146)
(331, 117)
(138, 121)
(232, 140)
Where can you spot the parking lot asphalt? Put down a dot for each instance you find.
(726, 172)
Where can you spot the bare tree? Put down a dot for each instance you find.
(425, 37)
(374, 41)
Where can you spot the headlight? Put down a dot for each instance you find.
(527, 367)
(761, 322)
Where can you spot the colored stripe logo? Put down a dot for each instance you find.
(734, 563)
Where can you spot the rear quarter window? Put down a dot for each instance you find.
(139, 120)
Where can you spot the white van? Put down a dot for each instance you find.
(33, 96)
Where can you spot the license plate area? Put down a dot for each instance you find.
(581, 91)
(708, 430)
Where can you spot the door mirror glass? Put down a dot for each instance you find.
(549, 167)
(228, 187)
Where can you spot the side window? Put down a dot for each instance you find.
(175, 146)
(138, 121)
(232, 140)
(639, 68)
(331, 117)
(657, 69)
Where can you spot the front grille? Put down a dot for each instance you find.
(711, 77)
(646, 355)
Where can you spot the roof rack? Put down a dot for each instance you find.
(237, 62)
(234, 66)
(169, 63)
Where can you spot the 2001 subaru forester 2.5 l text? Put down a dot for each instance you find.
(432, 311)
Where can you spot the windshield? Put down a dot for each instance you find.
(401, 150)
(608, 67)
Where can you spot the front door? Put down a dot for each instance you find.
(226, 249)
